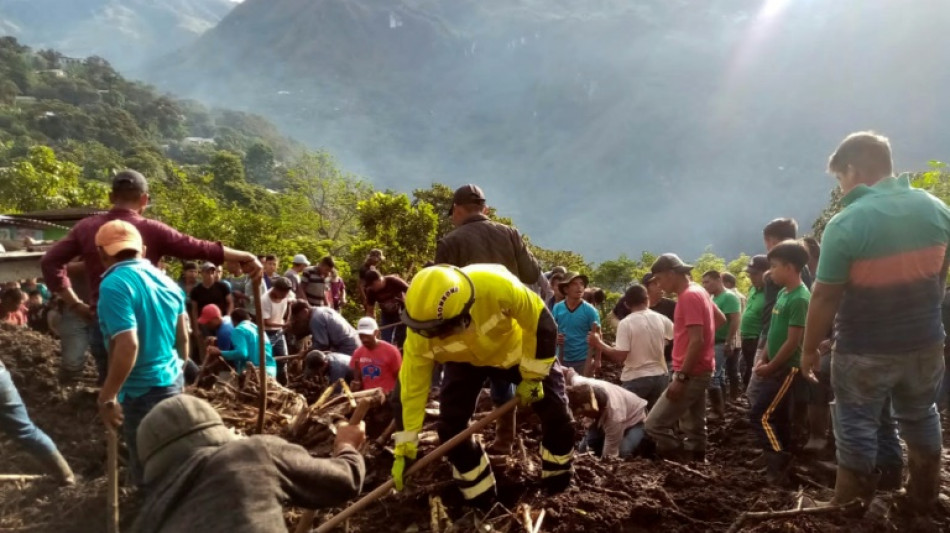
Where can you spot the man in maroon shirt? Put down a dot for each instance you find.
(129, 198)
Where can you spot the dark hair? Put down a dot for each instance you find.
(595, 295)
(865, 151)
(125, 255)
(814, 249)
(712, 274)
(239, 315)
(34, 292)
(636, 295)
(728, 277)
(372, 276)
(10, 299)
(298, 306)
(328, 261)
(270, 258)
(781, 229)
(189, 265)
(790, 252)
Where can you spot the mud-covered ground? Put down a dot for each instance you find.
(640, 494)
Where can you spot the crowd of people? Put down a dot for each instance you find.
(848, 330)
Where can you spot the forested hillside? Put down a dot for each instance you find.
(603, 125)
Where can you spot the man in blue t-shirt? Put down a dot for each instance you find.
(142, 314)
(575, 320)
(221, 327)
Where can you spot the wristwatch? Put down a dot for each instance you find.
(681, 377)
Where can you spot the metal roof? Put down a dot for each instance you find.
(21, 222)
(60, 215)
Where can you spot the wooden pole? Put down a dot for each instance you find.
(261, 359)
(112, 491)
(430, 458)
(19, 477)
(306, 521)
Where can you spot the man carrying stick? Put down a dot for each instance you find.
(480, 321)
(142, 314)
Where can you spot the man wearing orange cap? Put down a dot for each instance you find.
(142, 316)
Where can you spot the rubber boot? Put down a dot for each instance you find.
(892, 478)
(734, 390)
(57, 467)
(923, 484)
(504, 434)
(717, 404)
(698, 456)
(777, 465)
(851, 485)
(819, 418)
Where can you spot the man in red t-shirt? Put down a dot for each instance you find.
(376, 363)
(684, 402)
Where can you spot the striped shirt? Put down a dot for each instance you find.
(888, 245)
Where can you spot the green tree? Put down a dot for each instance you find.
(259, 164)
(405, 232)
(40, 181)
(706, 262)
(439, 196)
(614, 275)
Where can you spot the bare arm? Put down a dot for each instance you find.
(695, 347)
(718, 318)
(124, 351)
(181, 337)
(821, 314)
(734, 319)
(230, 305)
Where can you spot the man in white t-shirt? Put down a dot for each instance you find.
(641, 337)
(275, 308)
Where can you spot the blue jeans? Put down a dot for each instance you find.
(16, 423)
(74, 340)
(395, 335)
(862, 385)
(134, 410)
(650, 388)
(100, 352)
(279, 344)
(594, 440)
(719, 376)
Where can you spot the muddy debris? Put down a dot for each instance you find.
(640, 494)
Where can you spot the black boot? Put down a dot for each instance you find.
(777, 465)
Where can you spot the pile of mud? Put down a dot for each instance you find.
(640, 494)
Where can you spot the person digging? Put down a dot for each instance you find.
(480, 321)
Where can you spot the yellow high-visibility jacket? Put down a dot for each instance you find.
(502, 334)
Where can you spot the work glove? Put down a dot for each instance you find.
(407, 447)
(529, 391)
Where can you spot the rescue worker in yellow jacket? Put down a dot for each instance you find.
(480, 321)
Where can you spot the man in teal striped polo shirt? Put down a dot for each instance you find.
(881, 278)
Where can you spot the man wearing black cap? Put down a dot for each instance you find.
(751, 325)
(129, 199)
(684, 402)
(477, 239)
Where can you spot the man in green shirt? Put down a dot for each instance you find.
(771, 401)
(728, 303)
(751, 325)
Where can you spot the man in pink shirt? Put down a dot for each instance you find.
(684, 402)
(376, 363)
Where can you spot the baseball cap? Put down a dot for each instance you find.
(209, 313)
(282, 283)
(129, 180)
(117, 235)
(668, 262)
(376, 252)
(208, 266)
(758, 263)
(466, 195)
(301, 259)
(366, 326)
(646, 279)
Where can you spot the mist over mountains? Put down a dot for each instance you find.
(125, 32)
(601, 126)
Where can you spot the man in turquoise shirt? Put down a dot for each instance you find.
(575, 320)
(245, 346)
(142, 314)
